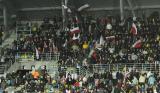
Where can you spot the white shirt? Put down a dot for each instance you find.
(111, 50)
(134, 57)
(114, 75)
(142, 79)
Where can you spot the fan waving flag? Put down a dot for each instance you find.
(75, 30)
(137, 44)
(134, 29)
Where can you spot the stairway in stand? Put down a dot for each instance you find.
(9, 40)
(53, 69)
(6, 44)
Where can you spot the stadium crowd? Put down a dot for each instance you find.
(99, 40)
(131, 81)
(89, 40)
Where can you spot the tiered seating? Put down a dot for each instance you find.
(97, 43)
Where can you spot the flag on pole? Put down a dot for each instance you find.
(137, 44)
(83, 7)
(134, 29)
(75, 30)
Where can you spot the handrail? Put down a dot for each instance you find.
(124, 67)
(23, 29)
(32, 56)
(120, 66)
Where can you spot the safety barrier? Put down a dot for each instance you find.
(154, 67)
(23, 29)
(29, 56)
(145, 67)
(85, 71)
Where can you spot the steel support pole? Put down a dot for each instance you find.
(121, 10)
(63, 15)
(5, 17)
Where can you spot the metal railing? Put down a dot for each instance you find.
(29, 56)
(23, 29)
(153, 67)
(24, 56)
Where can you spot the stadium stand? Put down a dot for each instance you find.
(87, 54)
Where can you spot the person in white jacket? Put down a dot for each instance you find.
(142, 81)
(134, 81)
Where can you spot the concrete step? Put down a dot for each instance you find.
(10, 39)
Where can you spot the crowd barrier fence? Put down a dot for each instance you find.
(123, 67)
(30, 56)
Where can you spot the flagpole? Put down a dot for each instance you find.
(132, 9)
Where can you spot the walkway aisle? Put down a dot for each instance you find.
(9, 40)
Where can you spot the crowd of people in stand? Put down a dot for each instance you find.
(129, 81)
(88, 40)
(99, 40)
(24, 81)
(107, 40)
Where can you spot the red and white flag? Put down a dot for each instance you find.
(75, 30)
(137, 44)
(134, 29)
